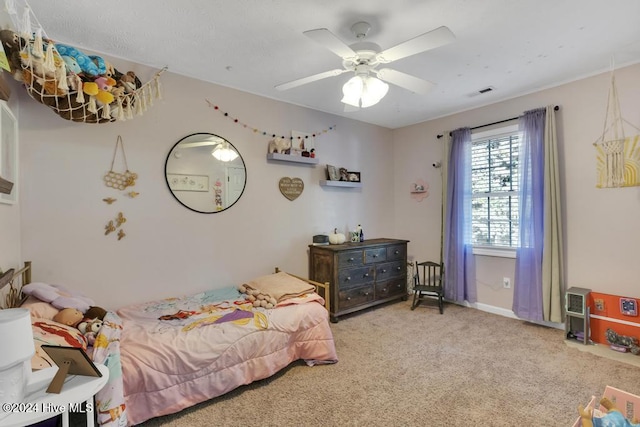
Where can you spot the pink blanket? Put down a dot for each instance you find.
(179, 352)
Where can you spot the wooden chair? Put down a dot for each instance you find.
(427, 284)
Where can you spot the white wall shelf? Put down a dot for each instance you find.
(327, 183)
(292, 159)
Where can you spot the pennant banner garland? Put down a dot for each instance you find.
(263, 132)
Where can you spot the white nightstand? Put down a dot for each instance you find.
(76, 389)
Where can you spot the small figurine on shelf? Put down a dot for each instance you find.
(361, 233)
(312, 153)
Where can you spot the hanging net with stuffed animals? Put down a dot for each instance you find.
(78, 87)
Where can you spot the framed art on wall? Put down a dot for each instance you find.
(333, 173)
(8, 155)
(179, 182)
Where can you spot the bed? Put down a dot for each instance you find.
(169, 354)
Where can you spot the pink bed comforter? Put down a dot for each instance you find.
(179, 352)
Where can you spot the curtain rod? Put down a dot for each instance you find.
(556, 108)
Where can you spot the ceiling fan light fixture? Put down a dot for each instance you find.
(364, 91)
(224, 153)
(352, 90)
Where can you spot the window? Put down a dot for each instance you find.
(494, 187)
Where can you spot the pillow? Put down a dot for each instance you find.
(58, 296)
(46, 331)
(40, 309)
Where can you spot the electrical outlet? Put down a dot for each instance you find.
(506, 282)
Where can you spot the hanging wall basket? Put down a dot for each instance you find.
(76, 86)
(618, 156)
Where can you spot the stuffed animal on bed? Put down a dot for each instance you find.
(612, 418)
(90, 329)
(69, 317)
(95, 312)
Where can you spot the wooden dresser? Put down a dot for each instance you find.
(361, 274)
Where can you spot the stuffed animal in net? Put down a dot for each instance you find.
(612, 418)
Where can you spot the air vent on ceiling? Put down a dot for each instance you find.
(483, 91)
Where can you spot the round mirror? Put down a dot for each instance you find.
(205, 173)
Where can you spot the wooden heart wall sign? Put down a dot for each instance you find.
(291, 188)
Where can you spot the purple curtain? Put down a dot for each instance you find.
(459, 266)
(527, 295)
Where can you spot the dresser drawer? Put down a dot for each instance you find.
(396, 252)
(355, 296)
(375, 255)
(391, 288)
(389, 270)
(355, 276)
(350, 259)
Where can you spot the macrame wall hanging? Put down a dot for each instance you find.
(617, 155)
(76, 86)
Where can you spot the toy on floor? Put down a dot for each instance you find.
(627, 343)
(612, 418)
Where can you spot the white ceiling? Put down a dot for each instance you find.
(517, 47)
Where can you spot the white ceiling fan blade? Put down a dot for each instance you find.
(405, 81)
(427, 41)
(327, 39)
(315, 77)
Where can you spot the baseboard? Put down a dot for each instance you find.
(507, 313)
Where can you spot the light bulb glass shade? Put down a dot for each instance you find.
(374, 90)
(352, 90)
(364, 91)
(224, 153)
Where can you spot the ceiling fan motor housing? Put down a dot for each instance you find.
(360, 29)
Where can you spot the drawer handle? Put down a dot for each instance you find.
(384, 270)
(348, 298)
(398, 268)
(384, 289)
(397, 252)
(366, 294)
(366, 275)
(351, 259)
(398, 286)
(348, 279)
(375, 255)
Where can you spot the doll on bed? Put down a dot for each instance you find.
(612, 418)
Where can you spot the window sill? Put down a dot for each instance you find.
(494, 251)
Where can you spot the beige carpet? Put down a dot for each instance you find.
(418, 368)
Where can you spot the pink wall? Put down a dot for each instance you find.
(601, 225)
(169, 249)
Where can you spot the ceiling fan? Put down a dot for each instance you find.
(368, 86)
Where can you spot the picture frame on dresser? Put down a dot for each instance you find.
(8, 155)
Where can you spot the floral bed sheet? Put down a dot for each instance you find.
(170, 354)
